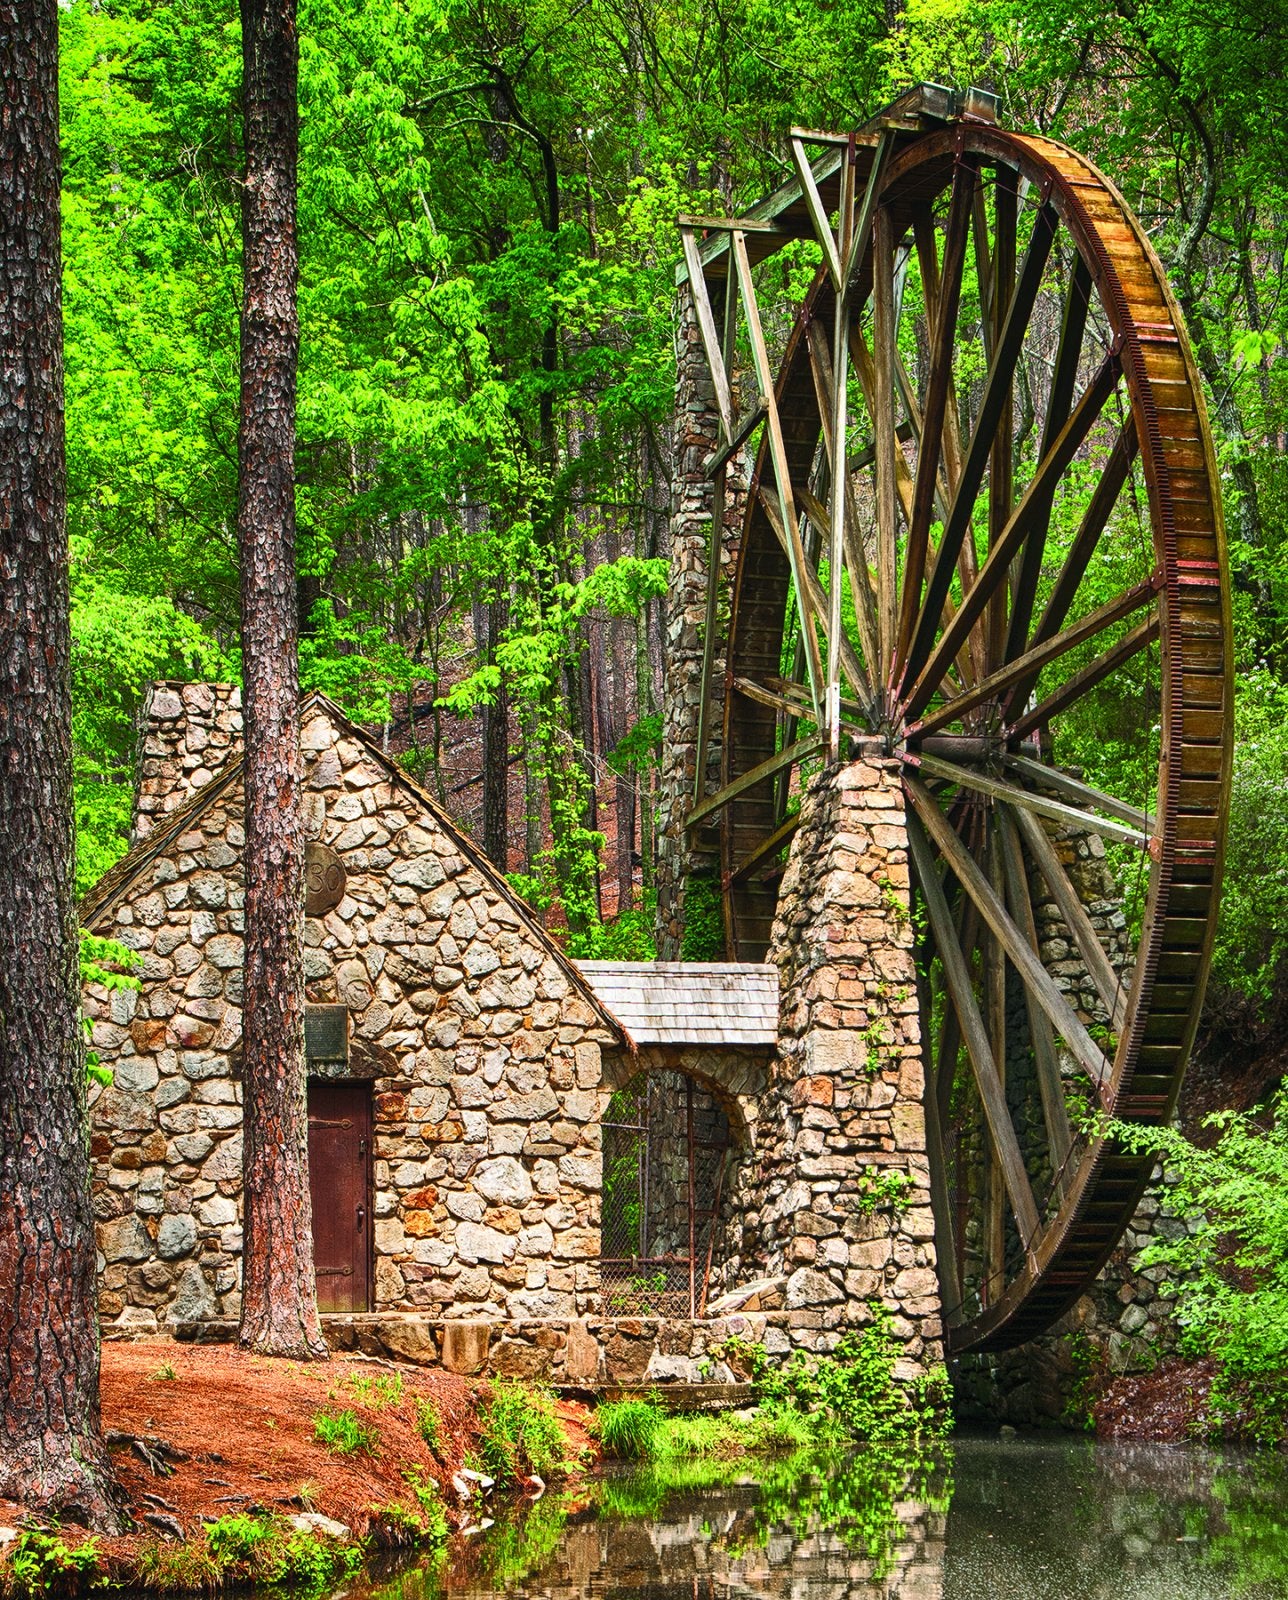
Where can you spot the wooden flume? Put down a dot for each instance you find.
(985, 513)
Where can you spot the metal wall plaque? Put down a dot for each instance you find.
(326, 1033)
(324, 879)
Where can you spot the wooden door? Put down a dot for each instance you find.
(340, 1184)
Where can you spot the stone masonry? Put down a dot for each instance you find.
(481, 1044)
(692, 507)
(839, 1197)
(189, 731)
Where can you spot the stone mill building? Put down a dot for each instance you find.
(517, 1163)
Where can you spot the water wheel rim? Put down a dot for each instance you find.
(1194, 642)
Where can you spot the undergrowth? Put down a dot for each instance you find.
(520, 1436)
(809, 1400)
(344, 1432)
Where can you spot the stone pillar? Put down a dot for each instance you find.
(696, 438)
(844, 1201)
(187, 732)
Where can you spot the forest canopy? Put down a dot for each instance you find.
(487, 208)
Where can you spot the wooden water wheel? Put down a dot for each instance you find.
(1016, 586)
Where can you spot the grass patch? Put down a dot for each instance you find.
(520, 1434)
(249, 1550)
(429, 1423)
(344, 1432)
(376, 1391)
(628, 1429)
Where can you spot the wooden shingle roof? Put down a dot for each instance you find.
(689, 1002)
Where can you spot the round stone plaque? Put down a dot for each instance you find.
(324, 880)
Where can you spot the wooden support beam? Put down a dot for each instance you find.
(778, 455)
(997, 789)
(707, 333)
(801, 750)
(943, 291)
(1108, 661)
(1075, 789)
(1035, 976)
(884, 337)
(1108, 984)
(767, 847)
(1031, 663)
(818, 217)
(1055, 1113)
(1006, 543)
(741, 433)
(997, 389)
(988, 1080)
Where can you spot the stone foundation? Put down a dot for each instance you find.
(838, 1200)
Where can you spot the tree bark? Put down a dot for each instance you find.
(52, 1454)
(496, 749)
(279, 1313)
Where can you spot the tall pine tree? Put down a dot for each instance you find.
(279, 1300)
(52, 1454)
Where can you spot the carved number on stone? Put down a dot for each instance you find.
(324, 880)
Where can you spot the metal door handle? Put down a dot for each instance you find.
(362, 1214)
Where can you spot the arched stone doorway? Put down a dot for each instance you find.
(670, 1149)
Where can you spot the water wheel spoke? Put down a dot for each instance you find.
(1113, 477)
(997, 391)
(782, 471)
(1028, 516)
(1083, 681)
(943, 291)
(1030, 664)
(988, 1081)
(865, 610)
(998, 789)
(1108, 984)
(1001, 463)
(884, 334)
(1064, 377)
(1085, 794)
(818, 601)
(1035, 976)
(1055, 1113)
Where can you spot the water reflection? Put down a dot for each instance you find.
(1029, 1519)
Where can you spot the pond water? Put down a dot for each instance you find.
(1042, 1518)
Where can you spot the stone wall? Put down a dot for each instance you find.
(187, 731)
(841, 1123)
(692, 504)
(481, 1043)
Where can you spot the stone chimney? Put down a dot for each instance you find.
(187, 732)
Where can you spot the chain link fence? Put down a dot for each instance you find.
(666, 1145)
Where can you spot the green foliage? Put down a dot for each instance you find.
(264, 1550)
(111, 966)
(853, 1393)
(520, 1435)
(429, 1423)
(433, 1517)
(883, 1189)
(1085, 1360)
(1229, 1259)
(704, 933)
(375, 1391)
(629, 1429)
(41, 1564)
(344, 1432)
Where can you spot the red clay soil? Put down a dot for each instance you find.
(1169, 1405)
(242, 1428)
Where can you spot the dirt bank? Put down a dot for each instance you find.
(201, 1433)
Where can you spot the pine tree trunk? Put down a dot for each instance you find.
(279, 1301)
(496, 751)
(52, 1454)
